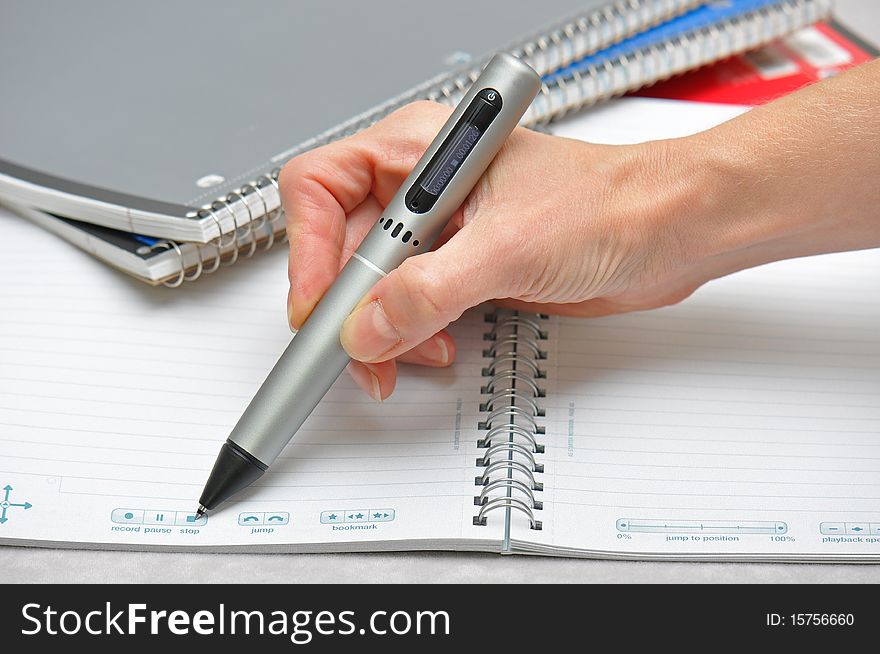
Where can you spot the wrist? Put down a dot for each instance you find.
(721, 205)
(735, 201)
(680, 198)
(724, 200)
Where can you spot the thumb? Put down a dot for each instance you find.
(424, 295)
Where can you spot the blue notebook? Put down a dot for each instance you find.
(702, 36)
(701, 18)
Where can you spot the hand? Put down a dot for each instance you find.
(568, 227)
(553, 222)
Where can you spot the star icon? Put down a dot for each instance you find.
(332, 516)
(377, 515)
(359, 515)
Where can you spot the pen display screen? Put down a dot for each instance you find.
(441, 172)
(460, 143)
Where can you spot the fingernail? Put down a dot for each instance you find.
(366, 379)
(375, 390)
(435, 349)
(290, 317)
(367, 334)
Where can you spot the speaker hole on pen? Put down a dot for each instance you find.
(396, 230)
(387, 224)
(406, 236)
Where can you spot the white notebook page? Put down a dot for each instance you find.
(115, 398)
(743, 422)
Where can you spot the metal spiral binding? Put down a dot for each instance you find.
(510, 457)
(557, 48)
(181, 276)
(262, 228)
(574, 39)
(554, 50)
(646, 66)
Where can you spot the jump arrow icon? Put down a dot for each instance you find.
(5, 505)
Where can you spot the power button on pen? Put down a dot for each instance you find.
(490, 96)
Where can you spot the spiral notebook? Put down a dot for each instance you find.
(699, 36)
(219, 187)
(159, 261)
(743, 424)
(186, 143)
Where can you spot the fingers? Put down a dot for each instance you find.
(319, 189)
(425, 294)
(317, 193)
(359, 223)
(436, 352)
(378, 379)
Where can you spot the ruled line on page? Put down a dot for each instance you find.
(746, 417)
(126, 392)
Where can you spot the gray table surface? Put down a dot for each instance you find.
(37, 565)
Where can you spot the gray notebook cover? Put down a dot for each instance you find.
(132, 104)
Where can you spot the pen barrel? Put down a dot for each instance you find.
(313, 360)
(461, 152)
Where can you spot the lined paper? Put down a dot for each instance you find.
(114, 395)
(757, 400)
(743, 422)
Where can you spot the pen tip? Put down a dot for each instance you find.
(201, 511)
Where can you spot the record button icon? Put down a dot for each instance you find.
(127, 516)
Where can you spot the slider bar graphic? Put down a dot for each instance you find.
(700, 526)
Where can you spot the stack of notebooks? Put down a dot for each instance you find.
(163, 162)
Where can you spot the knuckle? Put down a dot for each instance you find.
(286, 182)
(428, 293)
(292, 186)
(290, 179)
(286, 176)
(300, 187)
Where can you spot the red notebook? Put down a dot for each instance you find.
(807, 56)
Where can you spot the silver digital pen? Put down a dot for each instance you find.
(410, 224)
